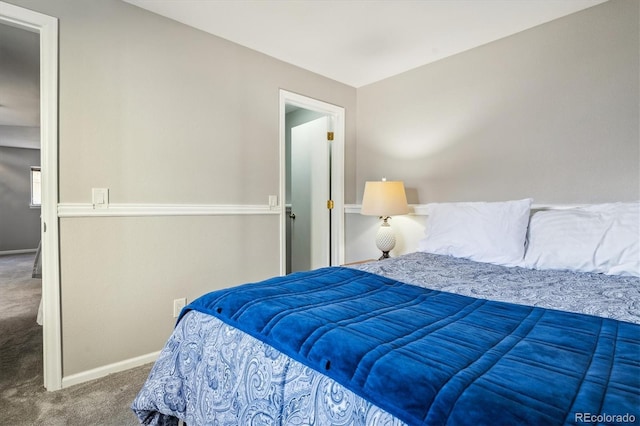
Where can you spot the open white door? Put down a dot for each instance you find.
(310, 183)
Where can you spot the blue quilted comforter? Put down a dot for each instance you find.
(430, 357)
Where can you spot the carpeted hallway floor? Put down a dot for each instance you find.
(23, 399)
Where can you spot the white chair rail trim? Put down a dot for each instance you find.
(133, 210)
(414, 209)
(136, 210)
(421, 209)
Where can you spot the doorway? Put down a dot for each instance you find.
(20, 233)
(308, 189)
(47, 29)
(311, 183)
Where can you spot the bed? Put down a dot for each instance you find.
(440, 336)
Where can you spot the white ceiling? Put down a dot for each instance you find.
(358, 42)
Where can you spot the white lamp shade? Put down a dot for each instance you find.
(384, 198)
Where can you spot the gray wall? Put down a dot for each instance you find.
(162, 113)
(549, 113)
(19, 224)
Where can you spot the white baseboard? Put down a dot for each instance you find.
(7, 252)
(96, 373)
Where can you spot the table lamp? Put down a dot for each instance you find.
(384, 199)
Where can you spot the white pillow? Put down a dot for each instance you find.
(484, 232)
(603, 238)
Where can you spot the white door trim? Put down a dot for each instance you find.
(337, 114)
(47, 27)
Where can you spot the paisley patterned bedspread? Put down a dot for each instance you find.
(606, 296)
(211, 373)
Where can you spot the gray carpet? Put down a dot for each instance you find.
(23, 399)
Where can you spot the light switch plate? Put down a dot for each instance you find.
(100, 198)
(273, 201)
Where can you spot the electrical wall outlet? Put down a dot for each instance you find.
(178, 304)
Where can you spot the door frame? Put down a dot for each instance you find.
(336, 115)
(47, 27)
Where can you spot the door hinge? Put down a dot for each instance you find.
(330, 204)
(329, 136)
